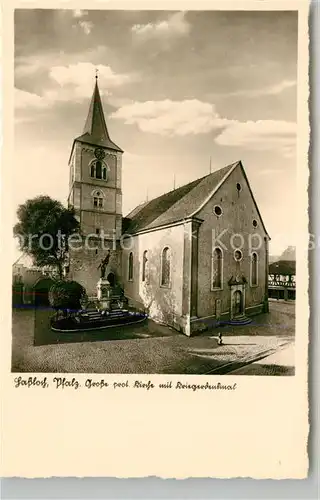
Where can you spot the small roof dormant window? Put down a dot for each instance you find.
(255, 223)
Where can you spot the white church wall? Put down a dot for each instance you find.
(163, 303)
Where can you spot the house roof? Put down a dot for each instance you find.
(23, 260)
(176, 205)
(95, 130)
(284, 267)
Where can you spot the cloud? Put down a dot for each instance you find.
(171, 117)
(27, 68)
(118, 102)
(174, 25)
(23, 100)
(182, 118)
(260, 136)
(280, 87)
(275, 89)
(86, 26)
(72, 83)
(78, 13)
(28, 65)
(152, 181)
(80, 76)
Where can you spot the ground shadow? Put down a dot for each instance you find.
(260, 369)
(244, 343)
(43, 335)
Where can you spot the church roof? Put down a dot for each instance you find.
(95, 130)
(176, 205)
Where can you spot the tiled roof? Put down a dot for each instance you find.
(284, 267)
(95, 130)
(175, 205)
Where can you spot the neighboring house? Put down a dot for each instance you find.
(282, 280)
(30, 286)
(197, 252)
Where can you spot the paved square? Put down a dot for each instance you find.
(146, 348)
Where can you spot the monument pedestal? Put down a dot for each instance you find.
(104, 294)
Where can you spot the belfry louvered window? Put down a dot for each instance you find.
(98, 170)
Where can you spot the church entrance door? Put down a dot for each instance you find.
(237, 303)
(237, 299)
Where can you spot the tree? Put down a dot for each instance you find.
(289, 253)
(43, 228)
(67, 295)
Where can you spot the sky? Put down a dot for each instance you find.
(177, 88)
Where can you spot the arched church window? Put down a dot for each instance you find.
(145, 266)
(165, 267)
(99, 170)
(254, 269)
(217, 268)
(130, 267)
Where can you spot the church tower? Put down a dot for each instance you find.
(95, 193)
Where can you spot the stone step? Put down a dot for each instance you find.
(91, 311)
(244, 320)
(111, 314)
(117, 315)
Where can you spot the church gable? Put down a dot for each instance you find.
(231, 238)
(232, 204)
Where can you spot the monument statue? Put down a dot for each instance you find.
(103, 264)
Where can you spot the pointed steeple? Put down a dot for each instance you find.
(95, 130)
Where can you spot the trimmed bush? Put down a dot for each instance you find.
(64, 295)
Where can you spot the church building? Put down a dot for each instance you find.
(194, 255)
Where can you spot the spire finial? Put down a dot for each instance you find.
(97, 71)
